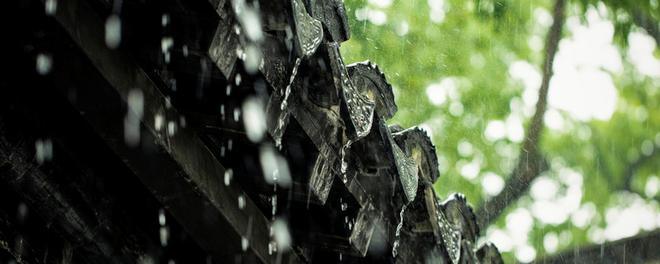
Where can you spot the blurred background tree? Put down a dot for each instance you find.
(552, 158)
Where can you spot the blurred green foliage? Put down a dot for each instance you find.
(474, 43)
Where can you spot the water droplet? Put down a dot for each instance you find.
(136, 102)
(172, 84)
(161, 217)
(252, 60)
(51, 7)
(44, 150)
(145, 259)
(113, 31)
(281, 234)
(182, 121)
(272, 247)
(171, 128)
(237, 114)
(344, 159)
(185, 50)
(283, 118)
(237, 80)
(397, 234)
(165, 20)
(164, 235)
(250, 21)
(168, 102)
(133, 117)
(273, 201)
(44, 63)
(241, 202)
(165, 45)
(22, 212)
(254, 119)
(274, 167)
(158, 122)
(244, 243)
(229, 173)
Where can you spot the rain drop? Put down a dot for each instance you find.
(280, 231)
(182, 121)
(161, 217)
(244, 243)
(158, 122)
(51, 7)
(229, 173)
(171, 128)
(395, 246)
(252, 59)
(274, 167)
(164, 235)
(237, 114)
(113, 31)
(44, 150)
(168, 102)
(250, 21)
(165, 45)
(44, 63)
(273, 201)
(241, 202)
(185, 50)
(254, 119)
(22, 212)
(133, 117)
(165, 20)
(237, 80)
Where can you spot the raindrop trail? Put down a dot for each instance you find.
(397, 234)
(282, 120)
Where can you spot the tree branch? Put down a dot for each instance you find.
(629, 171)
(637, 249)
(603, 168)
(530, 163)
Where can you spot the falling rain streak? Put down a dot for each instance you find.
(113, 31)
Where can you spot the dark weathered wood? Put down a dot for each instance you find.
(182, 174)
(39, 190)
(355, 180)
(11, 242)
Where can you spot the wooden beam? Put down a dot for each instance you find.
(181, 171)
(38, 189)
(638, 249)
